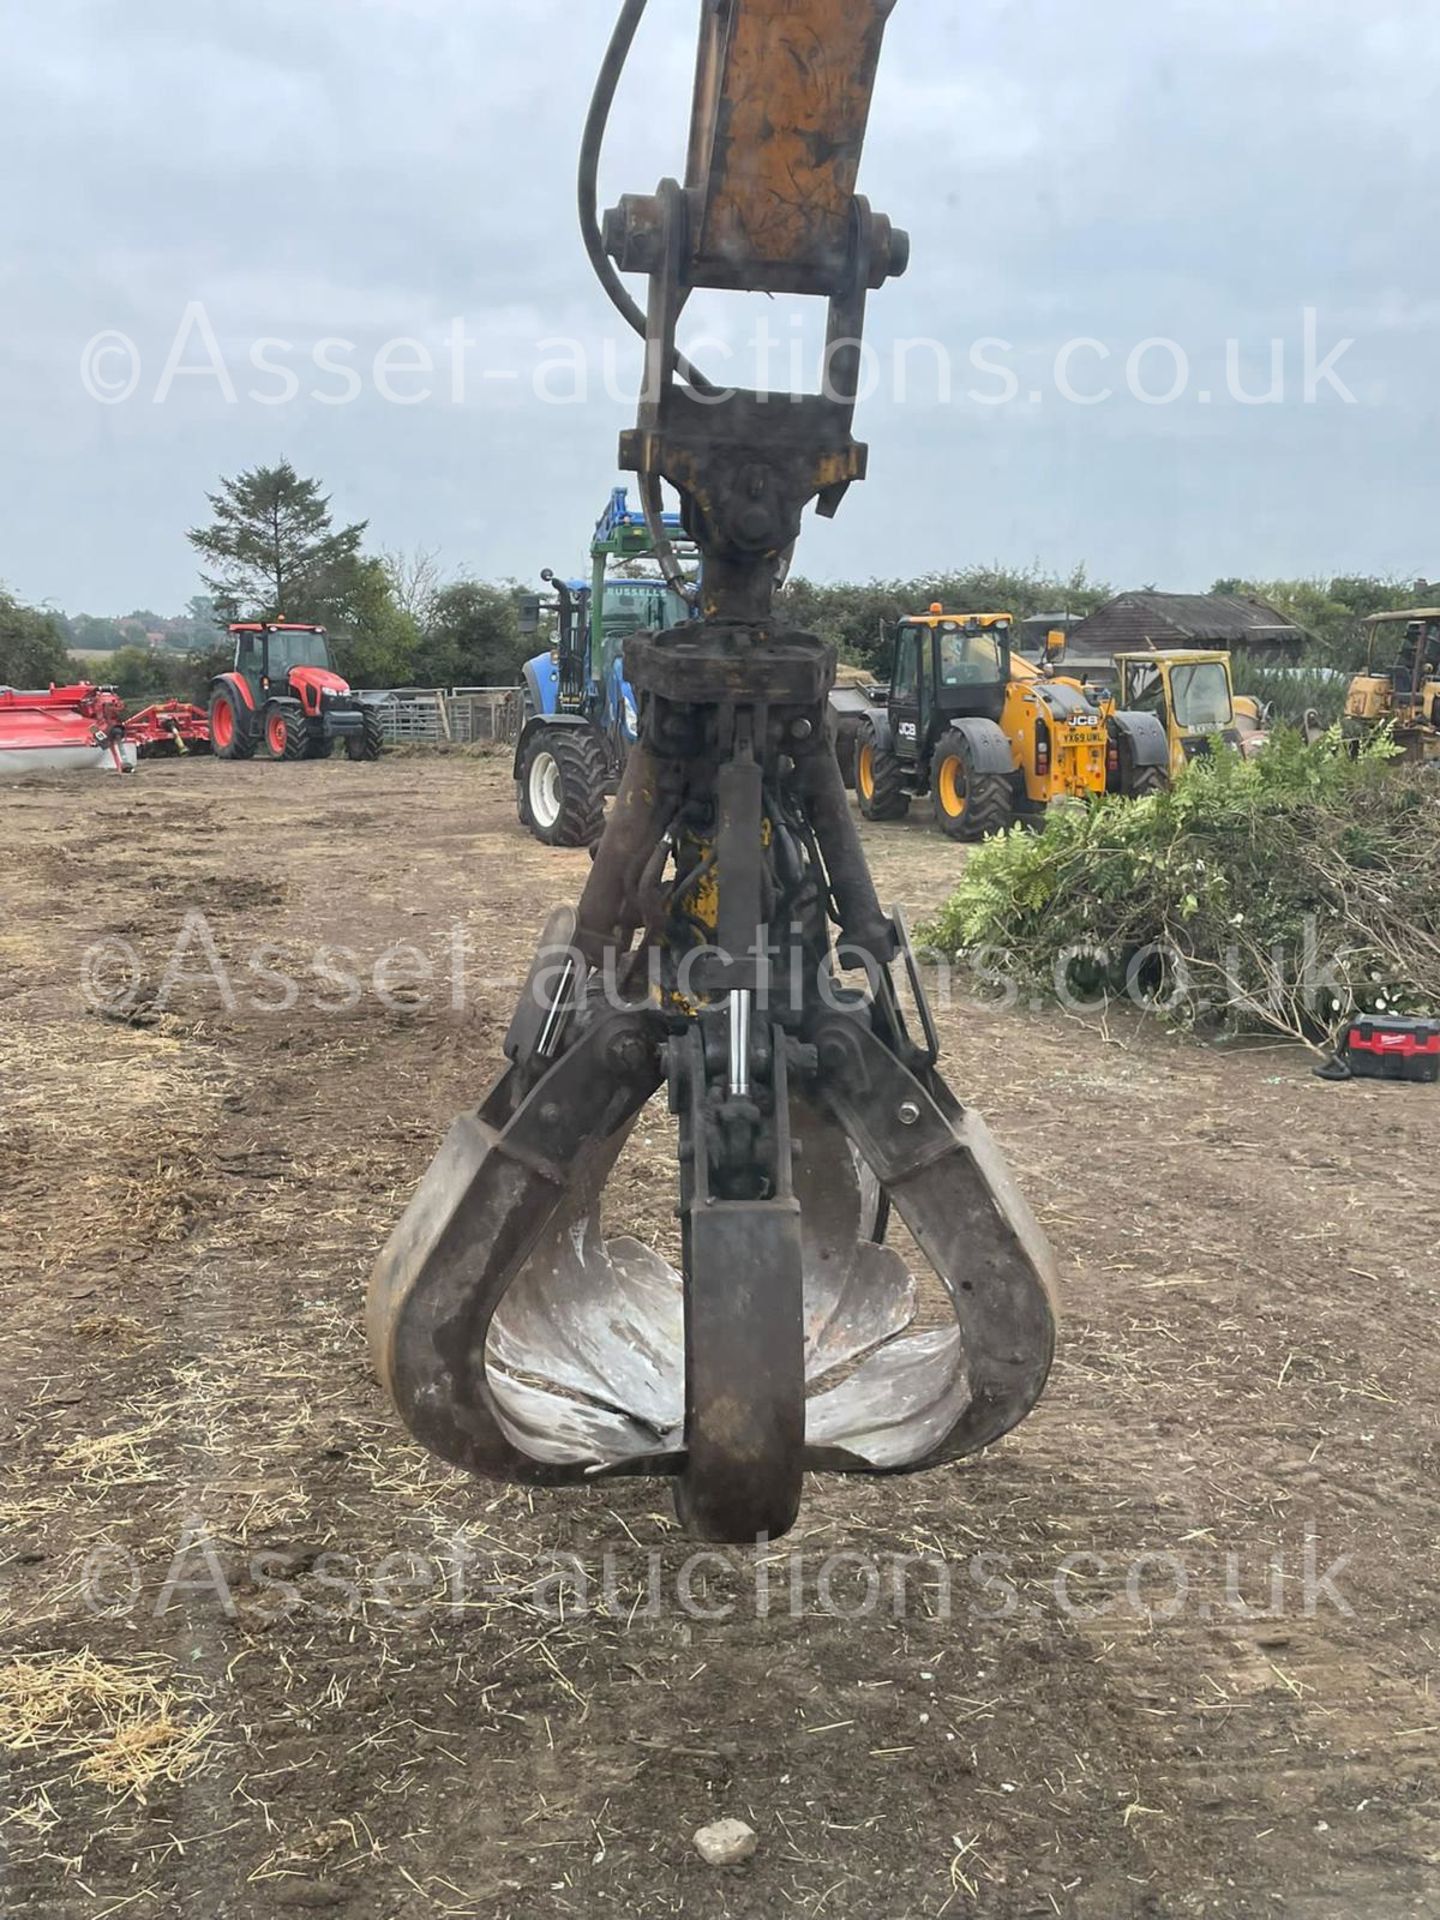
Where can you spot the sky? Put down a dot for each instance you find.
(1248, 185)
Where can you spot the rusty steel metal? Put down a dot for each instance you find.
(782, 102)
(729, 945)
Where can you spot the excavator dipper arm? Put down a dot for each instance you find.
(729, 945)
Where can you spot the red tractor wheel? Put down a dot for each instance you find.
(286, 735)
(232, 729)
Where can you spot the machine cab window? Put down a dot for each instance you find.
(297, 647)
(969, 656)
(1201, 694)
(1143, 691)
(905, 684)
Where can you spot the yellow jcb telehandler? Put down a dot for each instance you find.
(987, 734)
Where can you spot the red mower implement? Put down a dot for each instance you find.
(284, 694)
(64, 729)
(85, 728)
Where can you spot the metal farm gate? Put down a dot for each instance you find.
(479, 714)
(470, 716)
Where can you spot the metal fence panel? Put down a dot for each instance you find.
(471, 716)
(485, 714)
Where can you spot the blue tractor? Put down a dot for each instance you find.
(579, 711)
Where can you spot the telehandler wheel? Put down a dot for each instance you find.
(232, 727)
(879, 778)
(968, 805)
(563, 785)
(287, 737)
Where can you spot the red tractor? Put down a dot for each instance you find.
(284, 692)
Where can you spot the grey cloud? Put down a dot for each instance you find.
(364, 170)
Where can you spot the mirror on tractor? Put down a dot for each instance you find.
(530, 614)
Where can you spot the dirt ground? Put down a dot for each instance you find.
(264, 1655)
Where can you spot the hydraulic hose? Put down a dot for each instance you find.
(591, 145)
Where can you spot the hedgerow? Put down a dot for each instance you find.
(1284, 893)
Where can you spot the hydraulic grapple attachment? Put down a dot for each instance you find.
(730, 947)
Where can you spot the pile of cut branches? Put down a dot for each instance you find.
(1284, 894)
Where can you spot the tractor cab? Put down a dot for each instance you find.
(268, 652)
(626, 607)
(581, 717)
(627, 597)
(564, 672)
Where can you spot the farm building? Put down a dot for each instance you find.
(1133, 622)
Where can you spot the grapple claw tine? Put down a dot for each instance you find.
(505, 1213)
(949, 1183)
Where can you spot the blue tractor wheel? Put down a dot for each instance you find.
(562, 786)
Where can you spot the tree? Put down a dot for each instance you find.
(415, 581)
(375, 641)
(92, 634)
(199, 669)
(141, 674)
(202, 612)
(274, 549)
(32, 646)
(198, 630)
(473, 638)
(1334, 612)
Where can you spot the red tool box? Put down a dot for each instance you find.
(1382, 1047)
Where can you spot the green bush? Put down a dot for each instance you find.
(1296, 692)
(1283, 893)
(32, 646)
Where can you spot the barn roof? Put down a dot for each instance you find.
(1134, 621)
